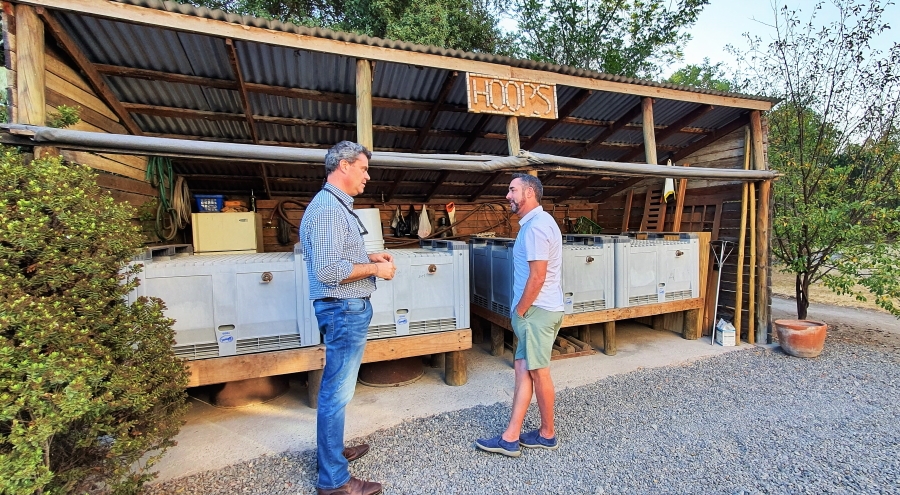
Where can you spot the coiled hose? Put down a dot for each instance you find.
(285, 226)
(174, 210)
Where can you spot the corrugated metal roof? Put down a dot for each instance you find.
(219, 15)
(406, 92)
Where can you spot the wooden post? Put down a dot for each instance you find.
(364, 103)
(609, 338)
(693, 322)
(762, 232)
(742, 241)
(658, 322)
(30, 74)
(751, 304)
(626, 218)
(584, 334)
(705, 269)
(438, 360)
(512, 136)
(477, 323)
(649, 131)
(496, 340)
(313, 384)
(455, 372)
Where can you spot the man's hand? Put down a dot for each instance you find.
(381, 257)
(385, 269)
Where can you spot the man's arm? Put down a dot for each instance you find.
(381, 269)
(537, 274)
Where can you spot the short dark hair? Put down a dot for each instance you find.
(533, 182)
(345, 150)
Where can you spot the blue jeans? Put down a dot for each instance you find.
(344, 324)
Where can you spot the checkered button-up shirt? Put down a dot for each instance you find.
(331, 242)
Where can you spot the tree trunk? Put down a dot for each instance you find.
(802, 292)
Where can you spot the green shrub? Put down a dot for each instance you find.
(88, 384)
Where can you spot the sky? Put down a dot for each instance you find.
(724, 22)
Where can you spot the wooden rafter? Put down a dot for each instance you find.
(263, 170)
(484, 187)
(719, 133)
(586, 183)
(432, 115)
(668, 131)
(618, 124)
(85, 65)
(473, 134)
(438, 183)
(398, 178)
(242, 91)
(612, 191)
(564, 112)
(547, 178)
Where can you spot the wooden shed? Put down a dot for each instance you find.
(440, 122)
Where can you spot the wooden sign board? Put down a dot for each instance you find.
(489, 94)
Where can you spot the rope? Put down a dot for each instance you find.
(174, 210)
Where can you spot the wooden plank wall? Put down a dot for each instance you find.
(726, 153)
(122, 175)
(478, 222)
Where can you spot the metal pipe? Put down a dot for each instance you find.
(146, 145)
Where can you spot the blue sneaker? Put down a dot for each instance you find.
(534, 440)
(499, 445)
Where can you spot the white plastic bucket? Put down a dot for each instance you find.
(371, 220)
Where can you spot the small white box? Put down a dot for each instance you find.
(725, 336)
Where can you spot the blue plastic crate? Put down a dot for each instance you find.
(209, 203)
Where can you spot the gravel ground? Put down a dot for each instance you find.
(753, 421)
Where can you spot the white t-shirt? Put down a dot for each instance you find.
(539, 239)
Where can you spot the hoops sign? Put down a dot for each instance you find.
(489, 94)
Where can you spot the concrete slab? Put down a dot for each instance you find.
(214, 437)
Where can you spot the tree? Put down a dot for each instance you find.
(834, 137)
(469, 25)
(632, 38)
(88, 384)
(705, 75)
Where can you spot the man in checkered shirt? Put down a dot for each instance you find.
(341, 279)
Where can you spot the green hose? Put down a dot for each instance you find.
(173, 212)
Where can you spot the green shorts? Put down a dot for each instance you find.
(536, 332)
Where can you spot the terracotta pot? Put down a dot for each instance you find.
(801, 338)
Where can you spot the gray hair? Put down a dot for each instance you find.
(345, 150)
(533, 182)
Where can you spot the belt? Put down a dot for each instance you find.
(336, 299)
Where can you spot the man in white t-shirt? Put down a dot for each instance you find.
(536, 315)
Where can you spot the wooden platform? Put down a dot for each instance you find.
(691, 329)
(312, 359)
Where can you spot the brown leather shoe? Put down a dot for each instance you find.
(354, 453)
(353, 487)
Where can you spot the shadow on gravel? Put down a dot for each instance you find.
(753, 421)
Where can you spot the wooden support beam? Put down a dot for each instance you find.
(547, 178)
(484, 187)
(398, 178)
(564, 112)
(263, 169)
(662, 134)
(615, 190)
(437, 184)
(432, 115)
(242, 91)
(586, 183)
(762, 240)
(626, 216)
(364, 103)
(155, 75)
(612, 129)
(473, 134)
(513, 142)
(31, 68)
(94, 78)
(649, 130)
(716, 135)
